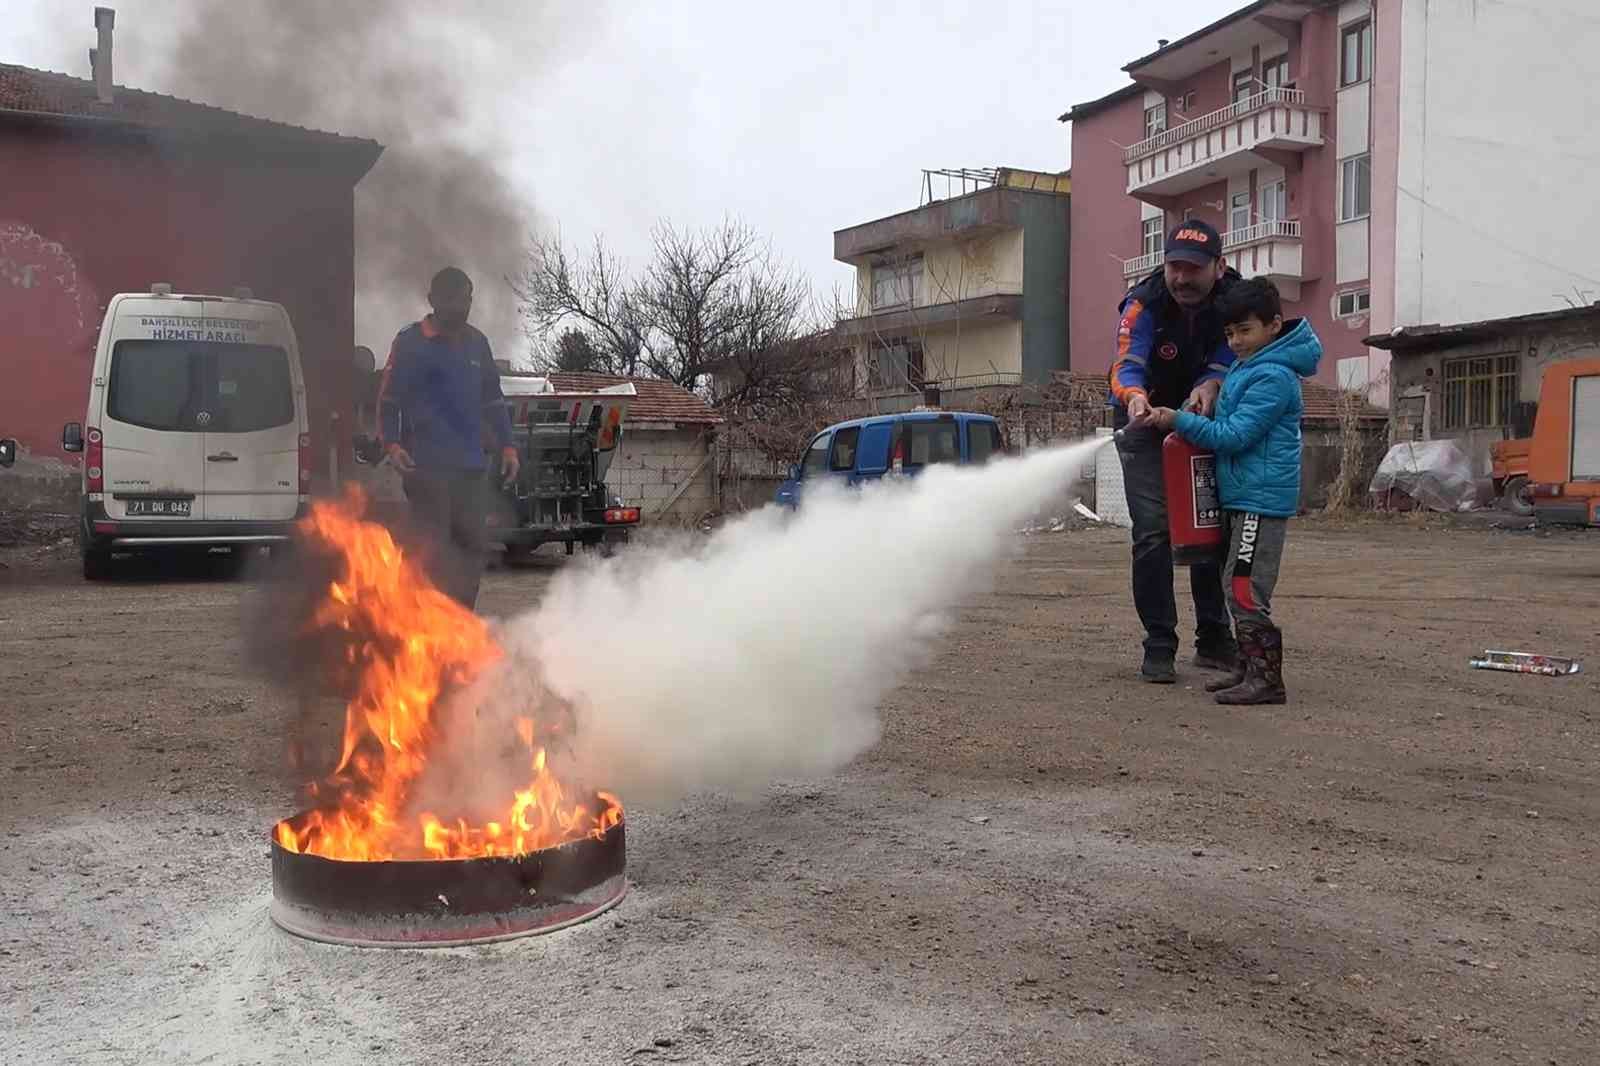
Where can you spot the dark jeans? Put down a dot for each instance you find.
(447, 514)
(1140, 452)
(1255, 551)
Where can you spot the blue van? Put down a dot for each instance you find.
(868, 448)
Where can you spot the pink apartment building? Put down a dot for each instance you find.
(1385, 162)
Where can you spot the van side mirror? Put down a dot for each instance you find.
(72, 437)
(8, 452)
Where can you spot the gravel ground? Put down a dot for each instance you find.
(1042, 861)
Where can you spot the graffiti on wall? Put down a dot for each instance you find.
(51, 314)
(32, 266)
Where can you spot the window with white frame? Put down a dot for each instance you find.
(1155, 235)
(1274, 197)
(1155, 119)
(1275, 72)
(1355, 302)
(1244, 85)
(1355, 188)
(1239, 210)
(897, 282)
(1355, 53)
(895, 363)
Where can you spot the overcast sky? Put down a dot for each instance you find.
(798, 118)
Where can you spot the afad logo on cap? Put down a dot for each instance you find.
(1192, 235)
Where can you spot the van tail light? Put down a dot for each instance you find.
(622, 515)
(94, 456)
(305, 464)
(899, 455)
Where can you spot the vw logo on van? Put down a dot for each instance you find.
(203, 418)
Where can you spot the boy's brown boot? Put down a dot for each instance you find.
(1234, 676)
(1261, 647)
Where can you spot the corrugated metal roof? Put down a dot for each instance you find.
(1434, 336)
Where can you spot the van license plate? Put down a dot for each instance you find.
(158, 508)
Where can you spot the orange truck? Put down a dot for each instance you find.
(1555, 473)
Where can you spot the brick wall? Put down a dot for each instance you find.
(652, 464)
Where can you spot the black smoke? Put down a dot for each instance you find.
(439, 85)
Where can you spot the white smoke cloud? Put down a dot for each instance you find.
(763, 652)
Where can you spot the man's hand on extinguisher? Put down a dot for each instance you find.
(1203, 400)
(1138, 411)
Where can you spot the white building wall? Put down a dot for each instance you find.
(1496, 205)
(651, 466)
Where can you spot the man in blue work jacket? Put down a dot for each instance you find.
(1171, 352)
(440, 390)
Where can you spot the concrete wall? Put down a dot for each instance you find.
(967, 349)
(651, 465)
(1424, 372)
(1046, 324)
(82, 219)
(1105, 228)
(984, 265)
(1495, 203)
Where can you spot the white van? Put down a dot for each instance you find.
(196, 434)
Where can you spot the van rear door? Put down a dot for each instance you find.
(252, 437)
(154, 457)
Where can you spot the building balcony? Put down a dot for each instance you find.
(1270, 128)
(901, 320)
(1270, 249)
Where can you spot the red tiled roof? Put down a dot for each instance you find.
(46, 94)
(1321, 401)
(1322, 404)
(658, 401)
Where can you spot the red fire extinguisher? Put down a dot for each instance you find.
(1194, 512)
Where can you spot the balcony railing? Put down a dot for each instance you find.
(1272, 229)
(1220, 117)
(1142, 264)
(1275, 229)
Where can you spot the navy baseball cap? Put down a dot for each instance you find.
(1194, 241)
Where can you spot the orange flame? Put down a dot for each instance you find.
(410, 645)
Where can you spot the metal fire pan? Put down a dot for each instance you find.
(447, 902)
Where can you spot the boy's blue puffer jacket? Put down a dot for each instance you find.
(1255, 429)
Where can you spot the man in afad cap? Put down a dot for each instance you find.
(1171, 352)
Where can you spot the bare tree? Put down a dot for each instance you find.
(592, 295)
(712, 302)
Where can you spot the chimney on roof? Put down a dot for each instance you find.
(1162, 42)
(100, 55)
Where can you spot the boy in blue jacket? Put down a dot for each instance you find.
(1255, 433)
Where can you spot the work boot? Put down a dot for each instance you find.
(1233, 676)
(1217, 652)
(1159, 668)
(1261, 647)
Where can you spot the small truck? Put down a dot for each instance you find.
(566, 441)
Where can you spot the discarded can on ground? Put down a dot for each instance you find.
(1525, 662)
